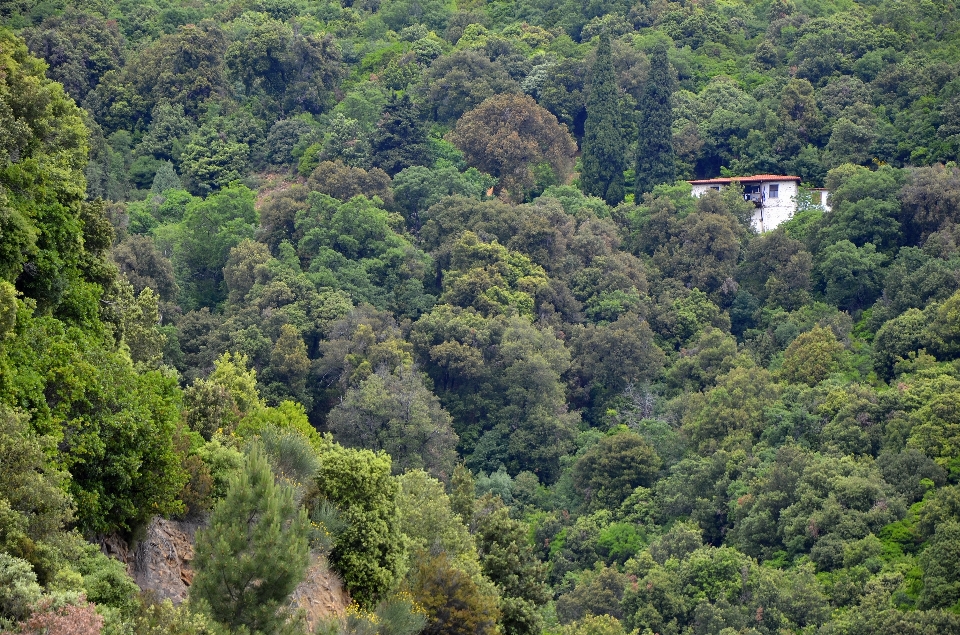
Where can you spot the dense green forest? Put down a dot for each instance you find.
(416, 289)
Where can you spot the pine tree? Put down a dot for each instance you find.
(655, 159)
(165, 179)
(401, 138)
(254, 551)
(604, 149)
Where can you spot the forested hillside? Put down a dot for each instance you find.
(416, 291)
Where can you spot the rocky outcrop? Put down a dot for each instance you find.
(320, 595)
(160, 562)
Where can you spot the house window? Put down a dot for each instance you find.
(715, 187)
(774, 191)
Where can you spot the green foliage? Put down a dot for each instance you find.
(609, 471)
(516, 416)
(396, 615)
(400, 13)
(507, 558)
(295, 70)
(184, 67)
(211, 162)
(370, 552)
(95, 405)
(508, 137)
(598, 591)
(941, 328)
(603, 147)
(81, 46)
(36, 505)
(451, 599)
(417, 188)
(941, 588)
(105, 580)
(293, 460)
(613, 357)
(357, 246)
(218, 403)
(850, 274)
(254, 551)
(655, 155)
(462, 493)
(429, 523)
(896, 339)
(400, 140)
(44, 146)
(457, 83)
(396, 414)
(490, 278)
(595, 625)
(203, 239)
(163, 618)
(781, 409)
(20, 589)
(811, 357)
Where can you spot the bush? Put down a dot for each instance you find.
(18, 589)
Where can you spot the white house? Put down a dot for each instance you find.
(820, 196)
(774, 196)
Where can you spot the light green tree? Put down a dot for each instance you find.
(428, 522)
(369, 553)
(811, 357)
(396, 413)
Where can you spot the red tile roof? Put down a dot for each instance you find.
(757, 178)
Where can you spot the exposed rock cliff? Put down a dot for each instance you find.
(320, 595)
(160, 563)
(161, 560)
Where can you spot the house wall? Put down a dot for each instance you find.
(700, 190)
(821, 197)
(774, 211)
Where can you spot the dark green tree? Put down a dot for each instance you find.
(609, 471)
(941, 577)
(254, 552)
(655, 159)
(896, 339)
(453, 602)
(604, 148)
(396, 413)
(508, 559)
(850, 275)
(400, 139)
(79, 47)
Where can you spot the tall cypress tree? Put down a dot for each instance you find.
(655, 137)
(604, 149)
(401, 137)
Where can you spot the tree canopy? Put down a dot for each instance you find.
(413, 295)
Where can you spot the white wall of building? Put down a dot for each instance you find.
(821, 197)
(779, 202)
(700, 190)
(777, 207)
